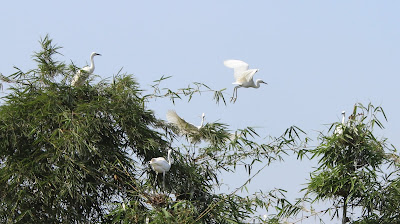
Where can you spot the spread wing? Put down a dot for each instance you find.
(241, 70)
(246, 76)
(250, 74)
(183, 126)
(236, 65)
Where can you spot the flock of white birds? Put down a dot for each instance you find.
(243, 78)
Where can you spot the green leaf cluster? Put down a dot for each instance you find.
(351, 162)
(79, 154)
(64, 150)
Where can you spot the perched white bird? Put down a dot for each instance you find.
(339, 128)
(83, 73)
(243, 76)
(160, 165)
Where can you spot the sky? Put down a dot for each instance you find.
(318, 58)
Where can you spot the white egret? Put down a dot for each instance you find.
(339, 128)
(183, 125)
(185, 128)
(202, 121)
(243, 76)
(160, 165)
(83, 73)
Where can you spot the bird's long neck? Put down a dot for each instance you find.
(202, 121)
(258, 81)
(92, 63)
(343, 118)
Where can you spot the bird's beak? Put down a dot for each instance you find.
(98, 54)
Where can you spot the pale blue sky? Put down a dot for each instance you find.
(318, 57)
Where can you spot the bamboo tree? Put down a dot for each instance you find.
(80, 154)
(350, 161)
(62, 148)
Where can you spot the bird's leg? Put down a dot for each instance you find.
(155, 180)
(233, 99)
(164, 180)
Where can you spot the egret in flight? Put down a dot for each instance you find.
(83, 73)
(243, 76)
(160, 165)
(339, 128)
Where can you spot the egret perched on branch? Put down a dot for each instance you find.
(243, 76)
(339, 128)
(189, 130)
(160, 165)
(83, 73)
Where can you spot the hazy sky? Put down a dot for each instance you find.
(318, 57)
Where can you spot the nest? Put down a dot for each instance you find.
(159, 200)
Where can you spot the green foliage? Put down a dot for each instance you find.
(62, 148)
(194, 176)
(80, 154)
(351, 163)
(189, 92)
(348, 161)
(383, 202)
